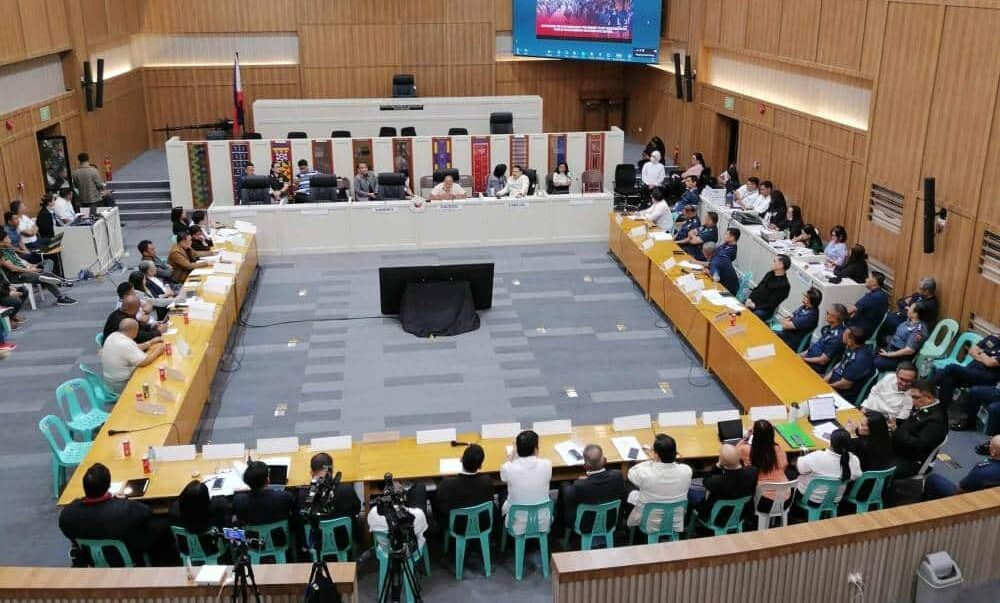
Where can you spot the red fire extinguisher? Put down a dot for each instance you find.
(677, 154)
(107, 167)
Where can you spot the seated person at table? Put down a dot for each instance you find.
(200, 244)
(856, 366)
(763, 202)
(868, 311)
(11, 225)
(809, 238)
(720, 268)
(926, 294)
(147, 252)
(262, 505)
(708, 231)
(183, 259)
(62, 207)
(771, 290)
(906, 342)
(690, 196)
(416, 504)
(131, 307)
(837, 462)
(518, 185)
(154, 285)
(855, 267)
(660, 479)
(19, 271)
(917, 437)
(803, 320)
(658, 213)
(27, 227)
(101, 516)
(45, 219)
(598, 485)
(983, 371)
(365, 183)
(561, 178)
(791, 221)
(890, 395)
(145, 315)
(179, 221)
(345, 501)
(278, 183)
(729, 240)
(447, 190)
(248, 170)
(728, 480)
(873, 444)
(141, 288)
(748, 196)
(469, 488)
(121, 355)
(830, 344)
(200, 218)
(497, 180)
(686, 222)
(758, 449)
(303, 182)
(653, 173)
(198, 513)
(984, 475)
(777, 207)
(527, 477)
(696, 168)
(836, 248)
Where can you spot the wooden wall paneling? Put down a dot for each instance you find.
(989, 206)
(754, 152)
(468, 11)
(35, 26)
(678, 20)
(12, 41)
(951, 263)
(902, 101)
(831, 137)
(981, 294)
(5, 198)
(72, 129)
(118, 26)
(790, 123)
(789, 159)
(713, 21)
(871, 51)
(424, 11)
(94, 14)
(347, 82)
(800, 20)
(471, 80)
(827, 182)
(119, 130)
(763, 24)
(468, 43)
(350, 46)
(748, 109)
(503, 15)
(58, 22)
(733, 29)
(859, 147)
(857, 199)
(713, 139)
(222, 16)
(842, 33)
(963, 107)
(22, 164)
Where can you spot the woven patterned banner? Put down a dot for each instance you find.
(281, 158)
(595, 159)
(323, 156)
(402, 158)
(557, 150)
(239, 157)
(480, 163)
(519, 152)
(361, 151)
(201, 178)
(441, 148)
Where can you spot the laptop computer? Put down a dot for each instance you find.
(823, 409)
(731, 431)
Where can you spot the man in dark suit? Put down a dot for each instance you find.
(727, 481)
(467, 489)
(262, 504)
(130, 308)
(345, 502)
(917, 437)
(600, 485)
(101, 516)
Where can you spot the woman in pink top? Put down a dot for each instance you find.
(765, 454)
(697, 166)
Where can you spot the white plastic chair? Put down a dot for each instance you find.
(782, 494)
(929, 461)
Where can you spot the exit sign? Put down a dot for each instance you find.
(729, 103)
(45, 113)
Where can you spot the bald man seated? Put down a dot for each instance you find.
(984, 475)
(121, 355)
(727, 481)
(599, 485)
(131, 308)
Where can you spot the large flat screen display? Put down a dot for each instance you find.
(597, 30)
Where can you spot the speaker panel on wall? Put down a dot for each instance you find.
(689, 78)
(99, 96)
(88, 86)
(929, 211)
(678, 77)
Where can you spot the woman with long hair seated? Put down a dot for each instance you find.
(760, 450)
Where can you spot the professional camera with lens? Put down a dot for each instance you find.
(398, 519)
(319, 501)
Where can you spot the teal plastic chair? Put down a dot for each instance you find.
(270, 534)
(937, 344)
(99, 338)
(190, 547)
(877, 481)
(605, 520)
(744, 291)
(79, 420)
(98, 549)
(668, 512)
(532, 529)
(965, 339)
(381, 553)
(328, 536)
(863, 392)
(474, 529)
(734, 520)
(873, 339)
(101, 391)
(828, 487)
(70, 454)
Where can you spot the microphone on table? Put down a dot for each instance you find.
(456, 443)
(113, 432)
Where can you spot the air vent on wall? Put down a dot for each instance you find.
(989, 258)
(885, 209)
(886, 272)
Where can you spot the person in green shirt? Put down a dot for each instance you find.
(19, 271)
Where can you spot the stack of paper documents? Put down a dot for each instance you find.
(566, 449)
(824, 430)
(626, 443)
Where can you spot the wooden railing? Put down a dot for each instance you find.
(804, 562)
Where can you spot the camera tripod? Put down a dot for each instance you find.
(400, 574)
(243, 579)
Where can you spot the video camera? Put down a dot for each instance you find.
(399, 521)
(322, 490)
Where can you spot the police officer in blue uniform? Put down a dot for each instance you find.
(686, 222)
(830, 344)
(803, 320)
(983, 370)
(984, 475)
(855, 367)
(691, 195)
(729, 240)
(907, 341)
(926, 294)
(708, 231)
(720, 268)
(867, 313)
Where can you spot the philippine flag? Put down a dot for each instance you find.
(237, 97)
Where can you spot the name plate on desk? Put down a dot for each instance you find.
(631, 422)
(448, 206)
(734, 330)
(647, 244)
(496, 431)
(330, 443)
(619, 218)
(637, 231)
(760, 351)
(183, 348)
(314, 212)
(211, 452)
(670, 263)
(517, 203)
(385, 209)
(150, 408)
(557, 427)
(436, 436)
(679, 418)
(716, 416)
(165, 394)
(581, 202)
(277, 445)
(245, 227)
(174, 374)
(225, 268)
(175, 453)
(233, 257)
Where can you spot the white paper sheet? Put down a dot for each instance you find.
(823, 430)
(231, 256)
(691, 265)
(662, 236)
(638, 230)
(221, 268)
(670, 263)
(450, 466)
(758, 352)
(201, 272)
(245, 227)
(647, 244)
(211, 575)
(564, 448)
(626, 443)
